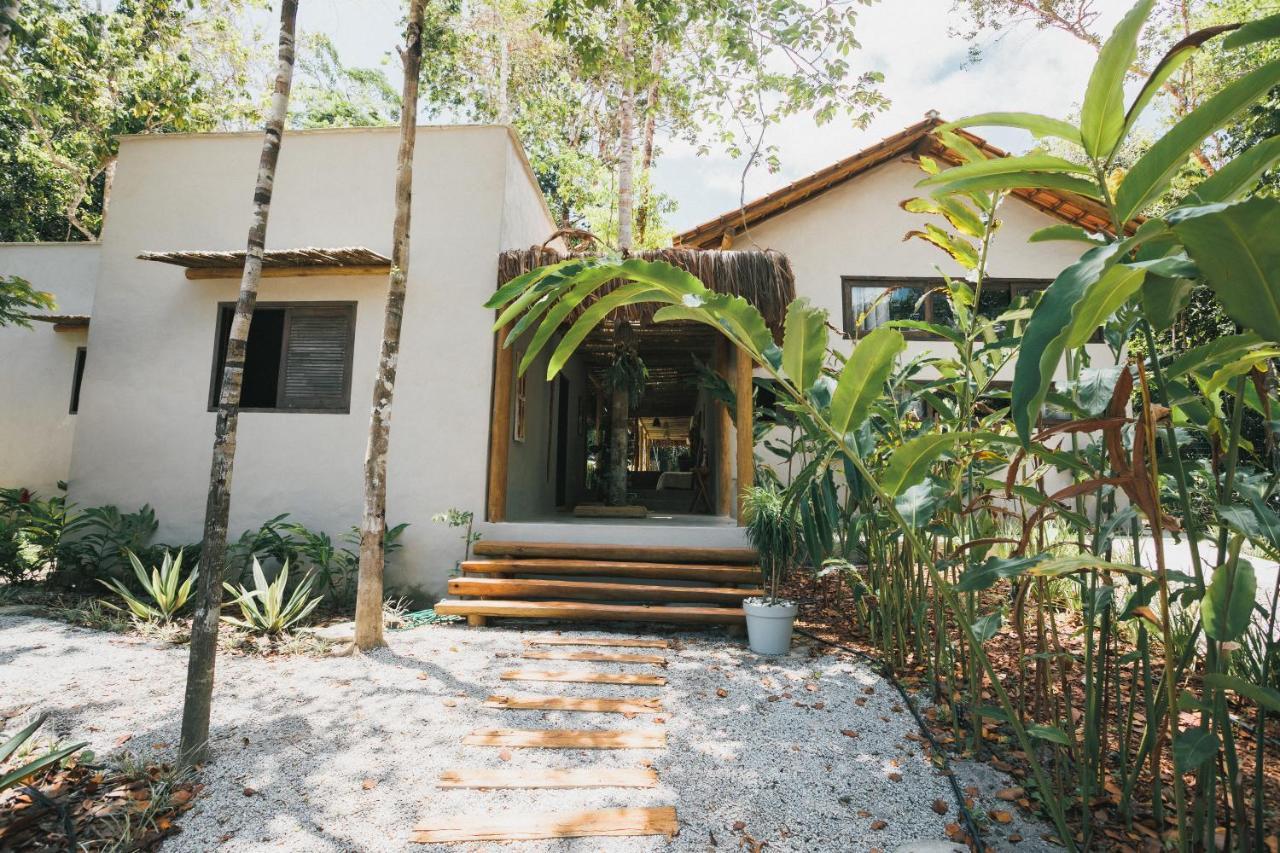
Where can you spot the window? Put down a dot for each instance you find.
(77, 377)
(298, 357)
(871, 301)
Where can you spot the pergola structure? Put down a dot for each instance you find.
(277, 263)
(763, 278)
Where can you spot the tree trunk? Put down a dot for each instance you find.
(374, 524)
(204, 626)
(646, 147)
(504, 73)
(619, 417)
(626, 134)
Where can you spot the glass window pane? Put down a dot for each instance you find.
(994, 300)
(905, 303)
(941, 306)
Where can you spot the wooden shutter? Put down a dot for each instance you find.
(316, 374)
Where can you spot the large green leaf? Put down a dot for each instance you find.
(910, 463)
(1080, 298)
(918, 504)
(1004, 181)
(1150, 176)
(1257, 521)
(1102, 113)
(518, 285)
(1164, 298)
(986, 627)
(1262, 29)
(863, 377)
(1263, 696)
(1053, 734)
(1006, 165)
(995, 568)
(804, 343)
(628, 294)
(1193, 748)
(1240, 176)
(1236, 248)
(1073, 233)
(1217, 351)
(1228, 601)
(1037, 125)
(580, 287)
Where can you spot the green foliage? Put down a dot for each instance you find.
(22, 772)
(327, 93)
(166, 592)
(18, 298)
(771, 527)
(454, 517)
(269, 608)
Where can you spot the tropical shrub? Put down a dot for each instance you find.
(269, 608)
(772, 529)
(165, 591)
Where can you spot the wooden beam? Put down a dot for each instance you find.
(574, 703)
(568, 738)
(545, 777)
(746, 442)
(583, 677)
(596, 657)
(723, 424)
(500, 426)
(202, 273)
(589, 590)
(603, 568)
(599, 641)
(593, 551)
(525, 826)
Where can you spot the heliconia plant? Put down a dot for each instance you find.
(925, 486)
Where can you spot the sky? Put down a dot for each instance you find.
(925, 67)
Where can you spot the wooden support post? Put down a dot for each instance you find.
(746, 442)
(500, 427)
(723, 425)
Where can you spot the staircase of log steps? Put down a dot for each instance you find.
(623, 583)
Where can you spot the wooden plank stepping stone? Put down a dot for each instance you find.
(599, 641)
(528, 826)
(583, 676)
(541, 777)
(575, 703)
(568, 738)
(597, 657)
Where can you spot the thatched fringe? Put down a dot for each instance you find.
(762, 278)
(344, 256)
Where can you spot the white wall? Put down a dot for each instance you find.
(37, 365)
(146, 434)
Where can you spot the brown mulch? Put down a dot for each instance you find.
(86, 808)
(825, 611)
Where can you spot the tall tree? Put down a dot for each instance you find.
(204, 625)
(374, 524)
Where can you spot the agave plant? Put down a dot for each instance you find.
(30, 768)
(266, 609)
(166, 590)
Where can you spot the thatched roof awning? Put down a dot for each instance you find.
(763, 278)
(346, 260)
(62, 322)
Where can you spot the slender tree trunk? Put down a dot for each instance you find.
(619, 417)
(204, 627)
(374, 524)
(626, 134)
(646, 147)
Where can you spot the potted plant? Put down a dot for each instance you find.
(772, 529)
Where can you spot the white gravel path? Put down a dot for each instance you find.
(304, 734)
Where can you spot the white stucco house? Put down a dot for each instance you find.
(113, 394)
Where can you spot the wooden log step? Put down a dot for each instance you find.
(710, 572)
(640, 553)
(575, 703)
(599, 641)
(596, 657)
(675, 614)
(528, 826)
(596, 590)
(568, 738)
(541, 777)
(583, 676)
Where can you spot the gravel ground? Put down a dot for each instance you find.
(807, 752)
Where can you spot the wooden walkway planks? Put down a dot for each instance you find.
(621, 642)
(583, 676)
(541, 777)
(575, 703)
(532, 827)
(568, 738)
(596, 657)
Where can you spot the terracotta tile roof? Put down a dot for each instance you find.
(912, 142)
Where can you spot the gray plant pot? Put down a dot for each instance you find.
(769, 625)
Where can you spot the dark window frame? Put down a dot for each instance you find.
(219, 336)
(77, 379)
(1017, 287)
